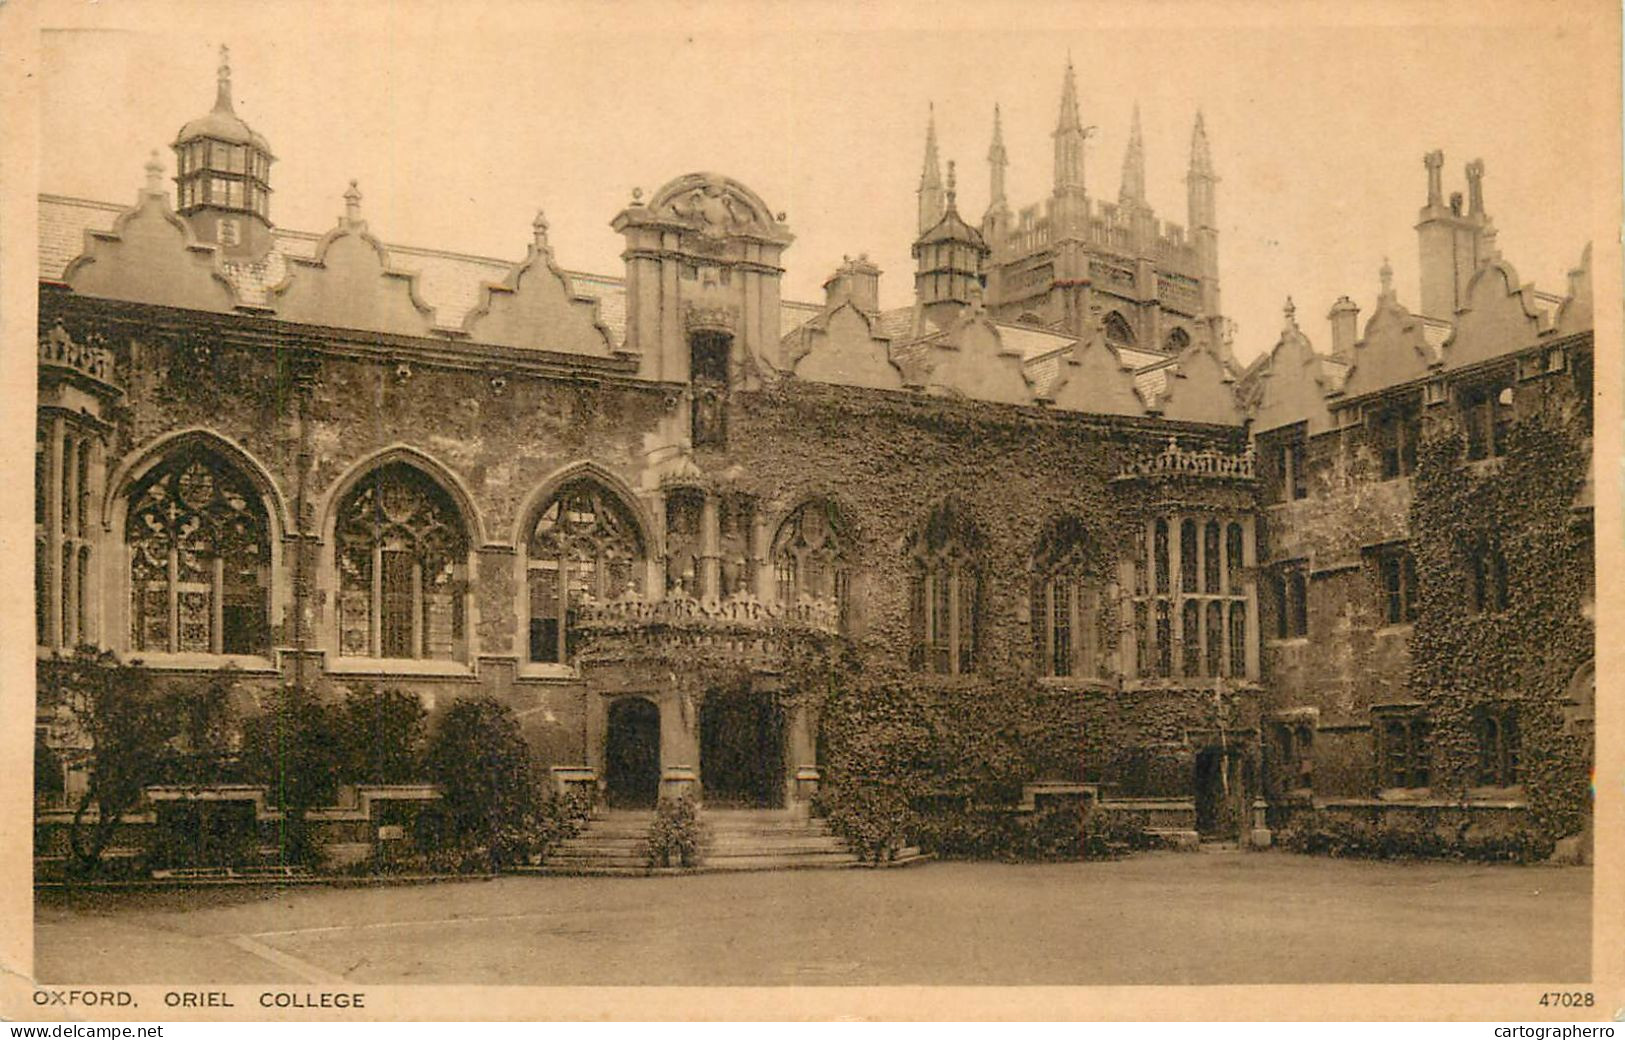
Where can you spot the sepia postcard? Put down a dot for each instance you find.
(761, 511)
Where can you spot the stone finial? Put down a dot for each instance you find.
(1475, 188)
(637, 196)
(538, 229)
(1291, 311)
(951, 182)
(155, 174)
(1386, 274)
(352, 204)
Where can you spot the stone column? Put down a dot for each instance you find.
(93, 537)
(656, 569)
(1249, 563)
(1176, 597)
(710, 576)
(53, 532)
(679, 744)
(801, 755)
(760, 552)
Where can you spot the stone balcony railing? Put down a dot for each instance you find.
(59, 350)
(741, 627)
(1208, 463)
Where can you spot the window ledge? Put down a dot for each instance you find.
(1289, 641)
(1402, 629)
(548, 672)
(203, 662)
(1074, 682)
(401, 666)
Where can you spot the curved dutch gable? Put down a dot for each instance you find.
(350, 284)
(1201, 389)
(535, 308)
(841, 346)
(1500, 315)
(150, 255)
(1394, 350)
(1094, 379)
(971, 360)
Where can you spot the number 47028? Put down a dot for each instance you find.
(1567, 1000)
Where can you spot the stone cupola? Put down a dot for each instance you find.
(222, 176)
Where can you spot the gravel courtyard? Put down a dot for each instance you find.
(1156, 918)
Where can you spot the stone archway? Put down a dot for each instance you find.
(632, 754)
(742, 737)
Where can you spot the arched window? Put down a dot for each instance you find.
(1176, 341)
(200, 559)
(947, 587)
(403, 568)
(810, 556)
(1066, 601)
(1118, 330)
(585, 543)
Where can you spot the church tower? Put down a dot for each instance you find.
(222, 177)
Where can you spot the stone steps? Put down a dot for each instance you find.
(735, 839)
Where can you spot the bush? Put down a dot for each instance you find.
(382, 733)
(675, 835)
(875, 821)
(481, 762)
(1421, 834)
(559, 818)
(1057, 831)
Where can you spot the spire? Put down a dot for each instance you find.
(1069, 102)
(996, 161)
(930, 191)
(1070, 134)
(1201, 153)
(1133, 187)
(222, 93)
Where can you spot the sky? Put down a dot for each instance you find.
(459, 121)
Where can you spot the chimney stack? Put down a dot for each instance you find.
(855, 280)
(1345, 318)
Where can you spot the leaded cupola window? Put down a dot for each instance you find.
(223, 175)
(811, 556)
(200, 560)
(403, 568)
(585, 545)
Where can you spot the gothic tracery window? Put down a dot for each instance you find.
(947, 599)
(585, 544)
(200, 560)
(810, 556)
(1066, 602)
(402, 565)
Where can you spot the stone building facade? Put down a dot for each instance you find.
(627, 505)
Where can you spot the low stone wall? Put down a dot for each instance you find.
(244, 828)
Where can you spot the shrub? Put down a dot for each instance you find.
(873, 820)
(1430, 833)
(675, 835)
(481, 762)
(381, 735)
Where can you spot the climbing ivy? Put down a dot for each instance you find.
(1463, 659)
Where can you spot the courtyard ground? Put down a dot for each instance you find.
(1155, 918)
